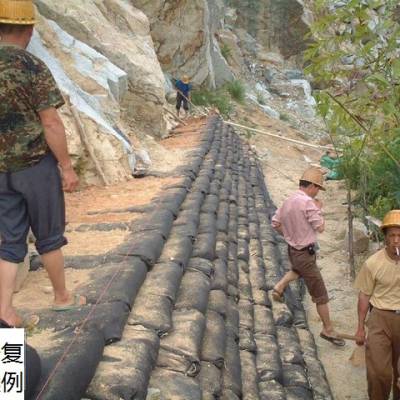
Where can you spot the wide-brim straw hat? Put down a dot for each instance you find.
(391, 220)
(17, 12)
(314, 175)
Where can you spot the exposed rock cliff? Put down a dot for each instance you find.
(121, 33)
(113, 60)
(278, 25)
(184, 35)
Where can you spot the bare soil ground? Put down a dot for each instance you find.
(283, 164)
(93, 205)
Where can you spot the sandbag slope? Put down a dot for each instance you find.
(203, 324)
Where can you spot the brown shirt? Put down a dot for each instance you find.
(379, 278)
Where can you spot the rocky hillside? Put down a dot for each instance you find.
(114, 60)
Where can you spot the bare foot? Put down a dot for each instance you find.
(73, 301)
(12, 318)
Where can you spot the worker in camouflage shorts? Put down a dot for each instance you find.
(35, 165)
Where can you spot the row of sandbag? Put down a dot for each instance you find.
(195, 349)
(125, 370)
(126, 366)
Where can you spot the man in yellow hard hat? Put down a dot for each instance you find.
(299, 220)
(379, 284)
(33, 152)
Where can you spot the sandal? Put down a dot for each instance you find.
(77, 303)
(333, 339)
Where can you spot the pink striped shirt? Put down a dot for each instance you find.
(299, 218)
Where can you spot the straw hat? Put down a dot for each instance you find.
(391, 219)
(315, 176)
(185, 79)
(17, 12)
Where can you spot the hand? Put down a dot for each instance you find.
(318, 203)
(70, 179)
(360, 336)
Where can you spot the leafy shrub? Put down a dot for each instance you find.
(360, 104)
(236, 90)
(217, 98)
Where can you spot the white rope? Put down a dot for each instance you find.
(315, 146)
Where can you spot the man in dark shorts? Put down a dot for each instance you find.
(35, 166)
(378, 283)
(299, 219)
(183, 88)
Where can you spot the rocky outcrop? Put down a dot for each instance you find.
(121, 33)
(184, 38)
(278, 25)
(92, 86)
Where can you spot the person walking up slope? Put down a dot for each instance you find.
(299, 219)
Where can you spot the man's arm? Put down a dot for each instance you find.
(321, 228)
(314, 215)
(363, 307)
(54, 133)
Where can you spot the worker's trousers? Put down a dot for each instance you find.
(382, 354)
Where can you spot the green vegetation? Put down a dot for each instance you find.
(236, 90)
(226, 51)
(217, 98)
(220, 98)
(355, 59)
(284, 117)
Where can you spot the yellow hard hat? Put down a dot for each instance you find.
(314, 175)
(391, 219)
(17, 12)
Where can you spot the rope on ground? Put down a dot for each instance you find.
(315, 146)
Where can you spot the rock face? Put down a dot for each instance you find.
(88, 91)
(114, 60)
(184, 36)
(121, 33)
(278, 25)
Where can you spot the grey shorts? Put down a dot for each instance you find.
(31, 198)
